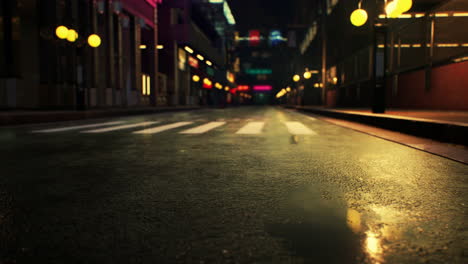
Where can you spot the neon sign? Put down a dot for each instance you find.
(193, 62)
(262, 88)
(242, 88)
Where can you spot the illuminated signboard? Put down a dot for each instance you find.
(210, 71)
(242, 88)
(153, 2)
(230, 77)
(254, 37)
(182, 59)
(262, 88)
(207, 84)
(258, 71)
(193, 62)
(275, 37)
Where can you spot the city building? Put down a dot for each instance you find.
(47, 61)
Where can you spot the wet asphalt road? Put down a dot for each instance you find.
(332, 196)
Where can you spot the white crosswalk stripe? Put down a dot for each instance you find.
(203, 128)
(158, 129)
(61, 129)
(251, 128)
(297, 128)
(114, 128)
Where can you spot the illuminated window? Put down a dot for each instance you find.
(146, 84)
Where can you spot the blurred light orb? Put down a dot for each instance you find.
(296, 78)
(358, 17)
(72, 35)
(404, 5)
(391, 10)
(94, 40)
(196, 78)
(307, 75)
(61, 32)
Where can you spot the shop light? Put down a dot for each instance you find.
(142, 46)
(288, 89)
(146, 84)
(441, 15)
(219, 86)
(188, 49)
(448, 45)
(159, 47)
(226, 88)
(61, 32)
(209, 63)
(195, 78)
(460, 14)
(405, 16)
(296, 78)
(94, 40)
(216, 1)
(461, 59)
(200, 57)
(207, 83)
(307, 75)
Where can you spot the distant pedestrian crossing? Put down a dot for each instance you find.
(236, 127)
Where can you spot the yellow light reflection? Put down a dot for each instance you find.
(373, 245)
(353, 219)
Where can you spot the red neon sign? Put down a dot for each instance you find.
(254, 37)
(193, 62)
(207, 84)
(262, 88)
(242, 88)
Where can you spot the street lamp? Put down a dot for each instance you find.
(358, 17)
(94, 40)
(393, 9)
(61, 32)
(296, 78)
(307, 75)
(72, 35)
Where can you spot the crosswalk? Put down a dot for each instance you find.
(188, 127)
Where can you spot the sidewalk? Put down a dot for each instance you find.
(16, 117)
(445, 126)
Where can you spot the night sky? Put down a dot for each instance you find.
(252, 14)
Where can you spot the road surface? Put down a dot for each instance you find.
(236, 185)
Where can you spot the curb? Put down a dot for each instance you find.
(440, 131)
(44, 117)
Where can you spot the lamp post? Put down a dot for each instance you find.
(393, 9)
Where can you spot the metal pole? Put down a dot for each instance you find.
(324, 53)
